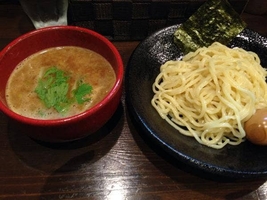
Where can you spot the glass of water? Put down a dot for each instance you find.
(45, 13)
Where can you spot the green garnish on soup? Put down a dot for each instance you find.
(81, 91)
(55, 91)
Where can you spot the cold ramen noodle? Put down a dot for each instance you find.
(59, 82)
(211, 93)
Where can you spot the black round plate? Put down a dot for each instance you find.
(243, 161)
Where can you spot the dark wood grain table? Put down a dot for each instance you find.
(115, 163)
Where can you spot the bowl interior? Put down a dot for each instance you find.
(40, 39)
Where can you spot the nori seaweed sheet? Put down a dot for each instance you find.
(215, 20)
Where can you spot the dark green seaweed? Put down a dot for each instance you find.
(215, 20)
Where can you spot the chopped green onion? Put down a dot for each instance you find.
(53, 90)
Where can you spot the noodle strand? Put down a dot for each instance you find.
(210, 93)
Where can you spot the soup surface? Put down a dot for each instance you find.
(79, 64)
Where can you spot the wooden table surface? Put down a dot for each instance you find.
(117, 164)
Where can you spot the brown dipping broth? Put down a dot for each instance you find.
(79, 62)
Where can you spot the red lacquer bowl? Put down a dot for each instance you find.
(71, 128)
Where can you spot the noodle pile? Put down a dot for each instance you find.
(210, 93)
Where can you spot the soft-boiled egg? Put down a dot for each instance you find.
(256, 127)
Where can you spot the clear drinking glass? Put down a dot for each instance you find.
(45, 13)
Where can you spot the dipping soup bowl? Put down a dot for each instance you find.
(69, 128)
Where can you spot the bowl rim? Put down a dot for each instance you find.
(54, 122)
